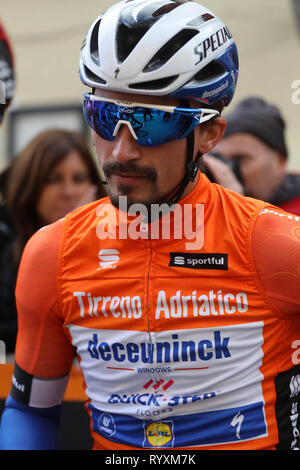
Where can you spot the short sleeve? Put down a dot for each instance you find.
(43, 348)
(276, 255)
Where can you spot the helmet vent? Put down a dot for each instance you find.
(91, 76)
(94, 51)
(154, 84)
(128, 38)
(200, 20)
(165, 9)
(170, 48)
(212, 71)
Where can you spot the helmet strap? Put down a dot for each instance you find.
(192, 167)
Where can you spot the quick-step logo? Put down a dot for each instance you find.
(199, 260)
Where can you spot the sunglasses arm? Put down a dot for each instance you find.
(208, 114)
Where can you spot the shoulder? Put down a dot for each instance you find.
(44, 243)
(81, 224)
(38, 266)
(239, 211)
(273, 222)
(86, 212)
(239, 202)
(276, 254)
(275, 228)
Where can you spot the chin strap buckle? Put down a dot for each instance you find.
(193, 167)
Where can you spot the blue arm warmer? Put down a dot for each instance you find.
(24, 427)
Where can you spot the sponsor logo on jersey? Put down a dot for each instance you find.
(158, 434)
(199, 260)
(108, 258)
(124, 307)
(295, 386)
(106, 424)
(158, 399)
(294, 413)
(213, 303)
(159, 383)
(174, 306)
(176, 350)
(279, 214)
(19, 386)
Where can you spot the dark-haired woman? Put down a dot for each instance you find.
(53, 175)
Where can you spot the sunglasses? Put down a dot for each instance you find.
(150, 126)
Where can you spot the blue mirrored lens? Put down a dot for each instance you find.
(151, 126)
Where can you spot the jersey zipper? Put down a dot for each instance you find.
(144, 228)
(151, 334)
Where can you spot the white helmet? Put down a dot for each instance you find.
(161, 47)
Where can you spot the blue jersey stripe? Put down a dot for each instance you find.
(207, 428)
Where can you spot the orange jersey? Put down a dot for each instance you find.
(181, 345)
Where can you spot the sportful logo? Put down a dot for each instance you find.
(108, 258)
(199, 260)
(295, 386)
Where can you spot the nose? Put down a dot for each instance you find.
(70, 190)
(125, 146)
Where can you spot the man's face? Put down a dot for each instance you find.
(262, 167)
(146, 175)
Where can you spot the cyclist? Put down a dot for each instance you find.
(181, 346)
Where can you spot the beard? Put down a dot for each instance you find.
(147, 173)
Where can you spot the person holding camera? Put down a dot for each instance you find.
(254, 146)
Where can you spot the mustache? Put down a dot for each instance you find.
(130, 168)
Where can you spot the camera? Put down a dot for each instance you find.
(232, 163)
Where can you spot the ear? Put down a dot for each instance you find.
(207, 135)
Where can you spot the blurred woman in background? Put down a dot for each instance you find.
(53, 175)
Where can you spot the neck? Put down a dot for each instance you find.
(188, 189)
